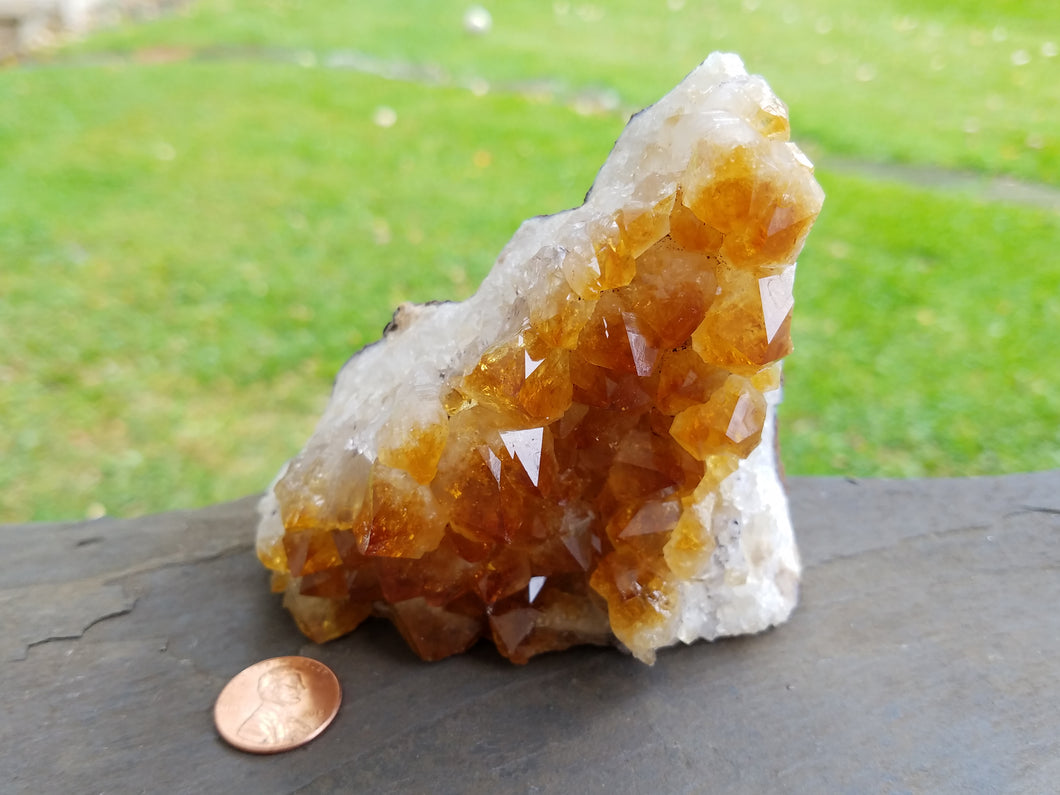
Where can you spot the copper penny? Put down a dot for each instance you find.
(276, 705)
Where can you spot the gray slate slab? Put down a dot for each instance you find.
(924, 657)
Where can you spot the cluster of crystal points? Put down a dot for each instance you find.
(584, 450)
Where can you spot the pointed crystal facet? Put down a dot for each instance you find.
(530, 364)
(644, 355)
(653, 517)
(777, 299)
(492, 462)
(525, 446)
(534, 588)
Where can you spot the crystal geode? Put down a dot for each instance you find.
(584, 451)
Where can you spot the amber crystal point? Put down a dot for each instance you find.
(584, 451)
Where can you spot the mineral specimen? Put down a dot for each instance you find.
(583, 451)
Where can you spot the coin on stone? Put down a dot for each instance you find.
(278, 704)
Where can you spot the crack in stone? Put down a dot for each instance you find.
(120, 579)
(162, 564)
(77, 636)
(1037, 509)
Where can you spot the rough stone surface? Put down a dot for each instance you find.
(583, 451)
(924, 658)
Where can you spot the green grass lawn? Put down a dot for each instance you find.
(194, 235)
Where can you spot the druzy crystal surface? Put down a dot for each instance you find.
(584, 450)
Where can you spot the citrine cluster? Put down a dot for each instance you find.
(560, 460)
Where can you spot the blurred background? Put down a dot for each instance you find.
(207, 206)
